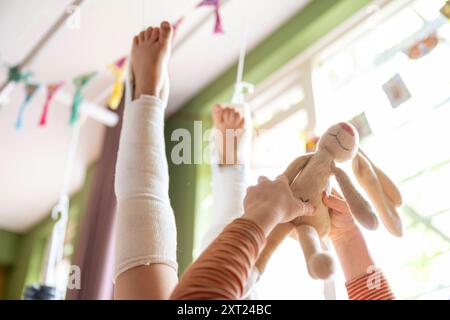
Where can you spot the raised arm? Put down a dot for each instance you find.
(222, 270)
(364, 281)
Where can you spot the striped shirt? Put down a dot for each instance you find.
(222, 270)
(370, 286)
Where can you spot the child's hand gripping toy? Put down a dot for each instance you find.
(309, 177)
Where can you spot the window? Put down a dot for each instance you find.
(400, 101)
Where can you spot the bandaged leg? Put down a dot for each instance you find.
(228, 186)
(230, 139)
(230, 166)
(146, 231)
(145, 224)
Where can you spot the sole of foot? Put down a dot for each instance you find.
(230, 124)
(150, 56)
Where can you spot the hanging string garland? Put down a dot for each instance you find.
(30, 90)
(16, 75)
(118, 70)
(240, 86)
(177, 23)
(80, 83)
(216, 4)
(51, 90)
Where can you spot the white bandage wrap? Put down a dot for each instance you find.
(145, 224)
(253, 278)
(229, 184)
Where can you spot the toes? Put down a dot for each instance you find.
(166, 31)
(142, 36)
(227, 115)
(217, 113)
(155, 34)
(233, 117)
(236, 119)
(217, 109)
(262, 179)
(136, 40)
(148, 33)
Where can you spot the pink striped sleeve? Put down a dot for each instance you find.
(222, 270)
(370, 286)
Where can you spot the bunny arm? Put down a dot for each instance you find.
(388, 186)
(360, 208)
(279, 233)
(367, 177)
(296, 166)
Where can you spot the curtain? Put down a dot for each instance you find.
(94, 250)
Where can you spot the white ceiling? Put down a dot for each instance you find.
(32, 160)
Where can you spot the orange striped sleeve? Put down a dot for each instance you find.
(370, 286)
(222, 270)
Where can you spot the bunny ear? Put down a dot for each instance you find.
(368, 178)
(389, 187)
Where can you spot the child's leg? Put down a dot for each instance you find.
(229, 176)
(145, 266)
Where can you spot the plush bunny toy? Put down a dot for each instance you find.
(309, 177)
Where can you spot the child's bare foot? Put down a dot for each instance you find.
(149, 57)
(229, 123)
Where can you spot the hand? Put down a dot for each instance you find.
(348, 241)
(343, 224)
(272, 202)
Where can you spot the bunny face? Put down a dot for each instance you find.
(341, 141)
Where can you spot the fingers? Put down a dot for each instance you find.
(262, 179)
(282, 178)
(337, 194)
(336, 203)
(305, 209)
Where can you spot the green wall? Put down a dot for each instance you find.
(182, 194)
(190, 183)
(30, 248)
(8, 245)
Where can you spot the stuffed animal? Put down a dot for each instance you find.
(309, 176)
